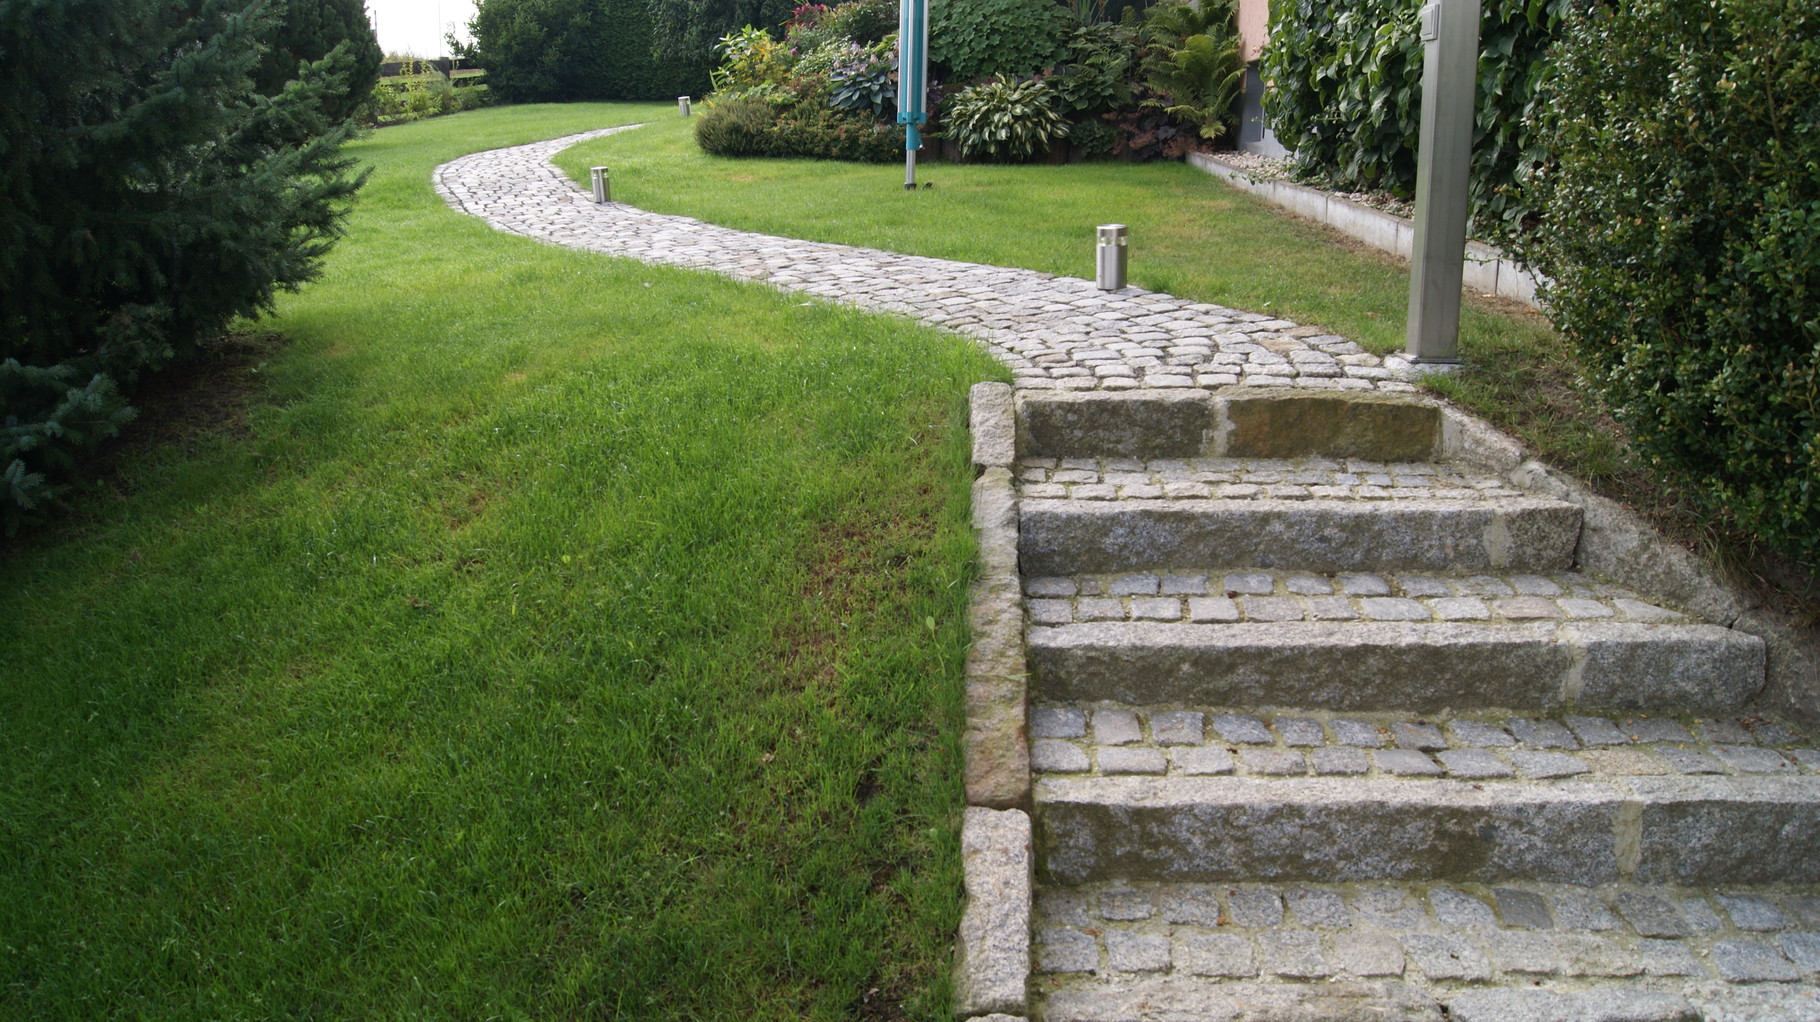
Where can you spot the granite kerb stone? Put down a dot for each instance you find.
(992, 957)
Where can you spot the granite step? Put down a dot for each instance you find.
(1510, 952)
(1211, 794)
(1282, 651)
(1086, 515)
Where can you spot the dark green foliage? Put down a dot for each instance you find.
(308, 30)
(1346, 93)
(1191, 60)
(562, 50)
(863, 21)
(1004, 121)
(822, 132)
(795, 124)
(865, 81)
(734, 126)
(975, 38)
(148, 195)
(686, 30)
(1681, 225)
(1093, 138)
(1100, 58)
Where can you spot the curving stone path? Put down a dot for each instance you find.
(1054, 332)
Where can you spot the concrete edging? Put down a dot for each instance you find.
(1487, 270)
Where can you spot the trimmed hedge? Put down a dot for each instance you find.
(1685, 249)
(562, 50)
(1346, 94)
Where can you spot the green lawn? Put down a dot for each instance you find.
(1191, 236)
(540, 636)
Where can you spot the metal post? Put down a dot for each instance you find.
(1450, 87)
(682, 105)
(603, 185)
(1110, 257)
(912, 76)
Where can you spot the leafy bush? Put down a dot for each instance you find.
(735, 126)
(1093, 78)
(818, 131)
(1147, 133)
(1681, 222)
(820, 61)
(419, 96)
(151, 195)
(865, 79)
(1093, 138)
(1192, 60)
(863, 21)
(975, 38)
(685, 31)
(561, 50)
(1346, 93)
(1003, 120)
(749, 57)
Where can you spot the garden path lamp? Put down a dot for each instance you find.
(912, 79)
(1450, 80)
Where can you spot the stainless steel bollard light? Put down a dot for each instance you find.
(603, 184)
(682, 105)
(1111, 256)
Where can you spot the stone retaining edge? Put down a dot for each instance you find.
(992, 957)
(1617, 544)
(992, 954)
(1487, 271)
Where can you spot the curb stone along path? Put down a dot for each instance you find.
(1054, 332)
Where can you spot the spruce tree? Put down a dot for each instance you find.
(310, 30)
(149, 194)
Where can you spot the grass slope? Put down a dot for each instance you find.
(558, 638)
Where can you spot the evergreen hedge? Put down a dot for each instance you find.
(1681, 226)
(538, 51)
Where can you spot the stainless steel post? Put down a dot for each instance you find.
(1450, 88)
(1111, 256)
(682, 105)
(603, 185)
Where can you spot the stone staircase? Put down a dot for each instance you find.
(1327, 720)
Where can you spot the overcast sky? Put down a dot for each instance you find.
(417, 26)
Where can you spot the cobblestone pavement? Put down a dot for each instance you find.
(1054, 332)
(1517, 933)
(1074, 739)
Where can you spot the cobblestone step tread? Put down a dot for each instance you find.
(1252, 479)
(1495, 534)
(1234, 595)
(1504, 952)
(1413, 666)
(1103, 739)
(1591, 829)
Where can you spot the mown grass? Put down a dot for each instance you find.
(1191, 235)
(541, 636)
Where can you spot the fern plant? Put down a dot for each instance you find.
(1192, 58)
(1005, 120)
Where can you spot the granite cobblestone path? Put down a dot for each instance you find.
(1054, 332)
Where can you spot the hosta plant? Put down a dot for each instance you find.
(1005, 120)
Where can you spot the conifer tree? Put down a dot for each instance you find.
(149, 194)
(309, 30)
